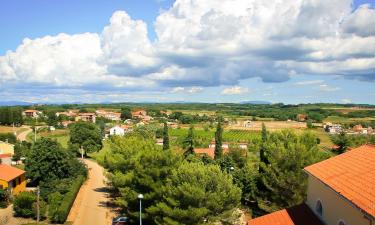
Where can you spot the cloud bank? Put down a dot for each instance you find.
(201, 44)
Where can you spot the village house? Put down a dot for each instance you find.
(301, 117)
(69, 113)
(224, 145)
(114, 116)
(87, 117)
(332, 128)
(159, 141)
(341, 191)
(242, 145)
(247, 123)
(119, 130)
(208, 151)
(6, 148)
(139, 114)
(6, 159)
(12, 179)
(31, 113)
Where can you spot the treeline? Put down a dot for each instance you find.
(11, 115)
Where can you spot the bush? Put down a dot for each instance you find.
(54, 202)
(60, 215)
(25, 205)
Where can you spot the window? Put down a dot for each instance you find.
(341, 223)
(319, 208)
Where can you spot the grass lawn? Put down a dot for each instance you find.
(61, 136)
(9, 129)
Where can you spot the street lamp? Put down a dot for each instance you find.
(140, 197)
(231, 169)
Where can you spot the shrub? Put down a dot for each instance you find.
(54, 202)
(23, 204)
(62, 212)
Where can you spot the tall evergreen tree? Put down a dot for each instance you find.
(165, 137)
(218, 140)
(189, 142)
(262, 155)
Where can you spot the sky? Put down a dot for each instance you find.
(290, 51)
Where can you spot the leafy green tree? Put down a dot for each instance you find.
(283, 180)
(195, 195)
(52, 119)
(126, 113)
(24, 205)
(165, 137)
(8, 137)
(189, 142)
(342, 141)
(87, 135)
(136, 165)
(218, 140)
(49, 161)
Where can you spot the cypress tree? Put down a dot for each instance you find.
(218, 140)
(165, 137)
(262, 155)
(189, 142)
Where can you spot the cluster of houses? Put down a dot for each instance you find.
(341, 191)
(210, 151)
(357, 129)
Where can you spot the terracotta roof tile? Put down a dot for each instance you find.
(352, 175)
(8, 173)
(297, 215)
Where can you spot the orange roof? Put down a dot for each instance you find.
(297, 215)
(7, 155)
(31, 110)
(352, 175)
(208, 151)
(9, 173)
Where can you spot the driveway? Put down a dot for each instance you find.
(90, 206)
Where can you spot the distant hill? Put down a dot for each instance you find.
(256, 102)
(15, 103)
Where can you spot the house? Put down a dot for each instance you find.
(247, 123)
(119, 130)
(341, 191)
(332, 128)
(31, 113)
(224, 145)
(115, 116)
(208, 151)
(357, 128)
(12, 179)
(69, 113)
(301, 117)
(6, 159)
(66, 123)
(159, 141)
(6, 148)
(172, 125)
(139, 114)
(242, 145)
(87, 117)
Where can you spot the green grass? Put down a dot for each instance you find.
(61, 136)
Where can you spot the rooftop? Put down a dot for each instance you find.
(352, 175)
(9, 173)
(297, 215)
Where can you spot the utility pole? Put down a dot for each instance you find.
(37, 206)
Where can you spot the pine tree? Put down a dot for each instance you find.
(218, 140)
(189, 142)
(165, 137)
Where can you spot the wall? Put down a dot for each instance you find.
(20, 186)
(6, 148)
(335, 207)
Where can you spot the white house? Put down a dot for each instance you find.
(247, 123)
(119, 130)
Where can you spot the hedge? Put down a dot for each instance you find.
(62, 212)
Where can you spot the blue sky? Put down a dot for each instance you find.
(192, 51)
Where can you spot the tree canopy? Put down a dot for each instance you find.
(87, 135)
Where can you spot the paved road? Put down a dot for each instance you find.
(22, 136)
(90, 204)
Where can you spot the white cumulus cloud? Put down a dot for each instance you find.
(236, 90)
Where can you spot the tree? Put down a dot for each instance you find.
(126, 113)
(87, 135)
(262, 154)
(283, 180)
(136, 165)
(192, 196)
(52, 119)
(165, 137)
(189, 142)
(8, 137)
(342, 141)
(49, 161)
(218, 140)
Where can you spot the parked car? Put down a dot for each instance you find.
(120, 220)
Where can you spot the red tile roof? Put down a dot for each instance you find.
(208, 151)
(3, 156)
(9, 173)
(352, 175)
(297, 215)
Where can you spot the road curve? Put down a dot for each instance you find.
(90, 206)
(23, 135)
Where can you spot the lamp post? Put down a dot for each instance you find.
(231, 169)
(140, 197)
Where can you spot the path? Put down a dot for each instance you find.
(90, 206)
(22, 136)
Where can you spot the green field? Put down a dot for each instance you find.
(61, 136)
